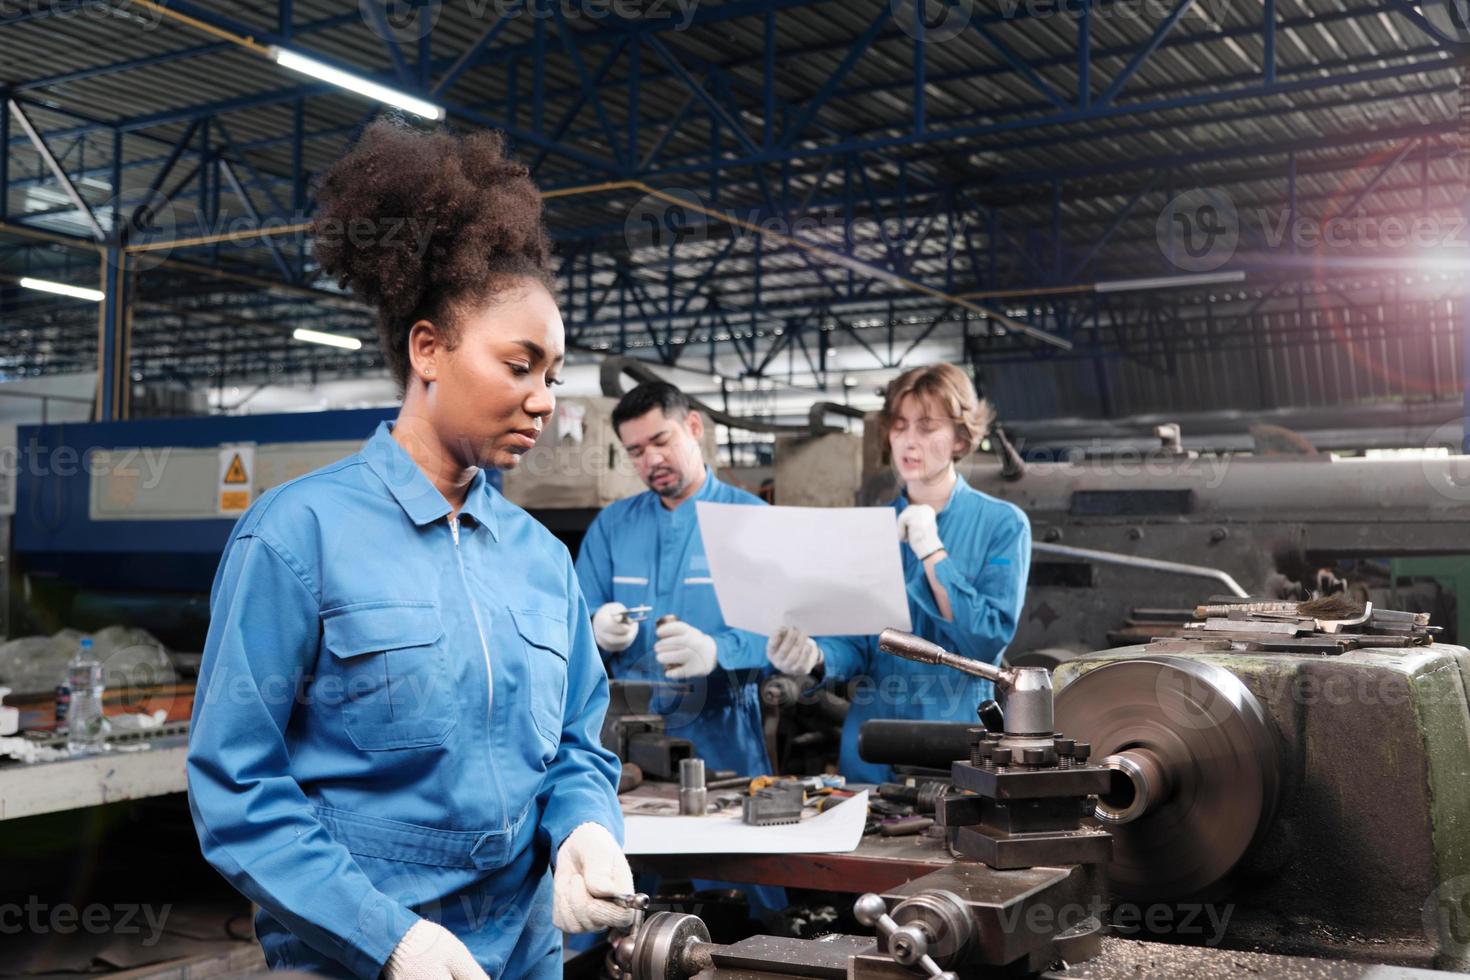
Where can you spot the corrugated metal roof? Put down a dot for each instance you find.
(1335, 135)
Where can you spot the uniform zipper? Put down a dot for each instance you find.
(485, 651)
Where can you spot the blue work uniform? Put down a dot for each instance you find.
(397, 717)
(988, 545)
(640, 553)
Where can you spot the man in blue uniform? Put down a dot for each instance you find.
(646, 551)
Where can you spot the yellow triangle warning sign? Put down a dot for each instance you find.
(236, 473)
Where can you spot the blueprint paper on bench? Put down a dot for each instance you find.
(828, 571)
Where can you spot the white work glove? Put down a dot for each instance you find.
(684, 651)
(793, 652)
(919, 526)
(590, 866)
(610, 631)
(428, 951)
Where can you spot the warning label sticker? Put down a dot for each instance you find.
(236, 478)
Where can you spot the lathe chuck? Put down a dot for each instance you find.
(1195, 770)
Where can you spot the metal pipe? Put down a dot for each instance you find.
(613, 368)
(1138, 561)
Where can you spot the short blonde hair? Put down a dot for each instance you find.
(950, 388)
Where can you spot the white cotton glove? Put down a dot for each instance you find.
(684, 651)
(793, 652)
(428, 951)
(610, 631)
(590, 866)
(919, 526)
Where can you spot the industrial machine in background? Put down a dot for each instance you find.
(124, 522)
(1281, 527)
(1298, 776)
(1126, 539)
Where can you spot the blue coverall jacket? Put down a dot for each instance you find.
(639, 552)
(988, 542)
(396, 717)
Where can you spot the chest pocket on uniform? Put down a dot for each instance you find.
(544, 636)
(395, 688)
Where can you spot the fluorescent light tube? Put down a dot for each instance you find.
(62, 289)
(330, 339)
(1170, 282)
(287, 58)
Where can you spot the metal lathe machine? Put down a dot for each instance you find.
(1298, 773)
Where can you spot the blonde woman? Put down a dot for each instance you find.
(965, 560)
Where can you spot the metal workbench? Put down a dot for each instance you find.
(29, 789)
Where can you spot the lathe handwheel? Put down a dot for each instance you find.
(661, 945)
(1199, 747)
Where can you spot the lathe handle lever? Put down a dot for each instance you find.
(920, 650)
(908, 945)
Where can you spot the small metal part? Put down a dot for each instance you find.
(635, 614)
(777, 804)
(666, 618)
(1001, 757)
(1033, 757)
(905, 826)
(979, 748)
(1081, 752)
(692, 794)
(991, 715)
(730, 782)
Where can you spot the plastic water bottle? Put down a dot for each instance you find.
(86, 725)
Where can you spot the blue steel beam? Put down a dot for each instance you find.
(376, 12)
(589, 91)
(1021, 67)
(39, 144)
(859, 47)
(1162, 31)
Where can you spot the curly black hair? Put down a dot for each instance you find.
(422, 223)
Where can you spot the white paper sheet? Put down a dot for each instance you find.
(836, 831)
(829, 571)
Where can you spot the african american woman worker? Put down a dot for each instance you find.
(396, 731)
